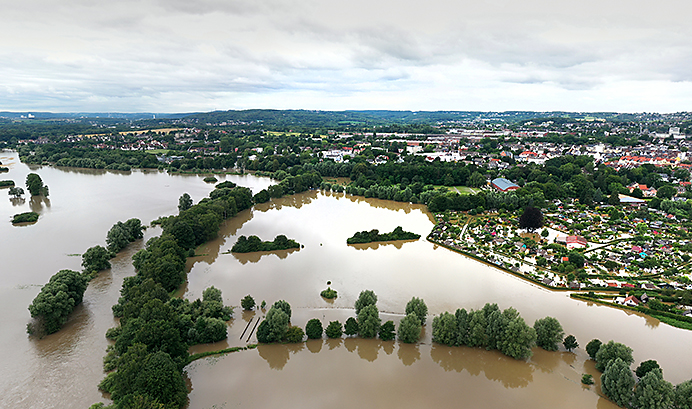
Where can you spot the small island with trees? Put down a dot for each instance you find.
(374, 235)
(28, 217)
(254, 243)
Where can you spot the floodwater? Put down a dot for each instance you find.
(62, 370)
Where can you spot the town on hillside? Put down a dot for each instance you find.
(613, 191)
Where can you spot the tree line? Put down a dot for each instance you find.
(647, 391)
(374, 235)
(51, 308)
(254, 243)
(276, 326)
(156, 329)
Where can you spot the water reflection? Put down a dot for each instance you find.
(368, 349)
(350, 344)
(334, 343)
(247, 316)
(408, 353)
(374, 246)
(495, 366)
(550, 361)
(255, 257)
(55, 346)
(295, 201)
(17, 201)
(38, 202)
(314, 345)
(277, 355)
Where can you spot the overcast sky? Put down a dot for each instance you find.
(188, 55)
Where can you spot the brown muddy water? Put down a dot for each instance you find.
(62, 370)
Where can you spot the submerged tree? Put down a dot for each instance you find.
(418, 306)
(368, 321)
(366, 297)
(247, 302)
(351, 326)
(683, 395)
(445, 329)
(645, 367)
(96, 259)
(334, 330)
(409, 329)
(549, 333)
(313, 329)
(611, 351)
(570, 343)
(386, 332)
(617, 382)
(274, 326)
(653, 392)
(284, 306)
(35, 186)
(592, 348)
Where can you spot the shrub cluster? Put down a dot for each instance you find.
(487, 328)
(27, 217)
(254, 243)
(55, 302)
(122, 234)
(374, 235)
(156, 330)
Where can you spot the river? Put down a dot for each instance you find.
(62, 370)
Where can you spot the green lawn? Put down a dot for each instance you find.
(462, 190)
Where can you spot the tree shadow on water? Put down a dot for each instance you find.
(255, 256)
(408, 353)
(368, 349)
(314, 345)
(334, 343)
(511, 373)
(276, 355)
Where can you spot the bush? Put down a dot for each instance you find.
(328, 293)
(57, 299)
(386, 331)
(313, 329)
(612, 351)
(645, 367)
(592, 348)
(548, 333)
(418, 306)
(351, 326)
(254, 243)
(284, 306)
(409, 329)
(96, 259)
(248, 303)
(587, 379)
(294, 335)
(368, 321)
(28, 217)
(366, 297)
(334, 329)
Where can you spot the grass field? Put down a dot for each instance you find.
(158, 151)
(462, 190)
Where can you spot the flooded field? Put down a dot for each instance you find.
(62, 370)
